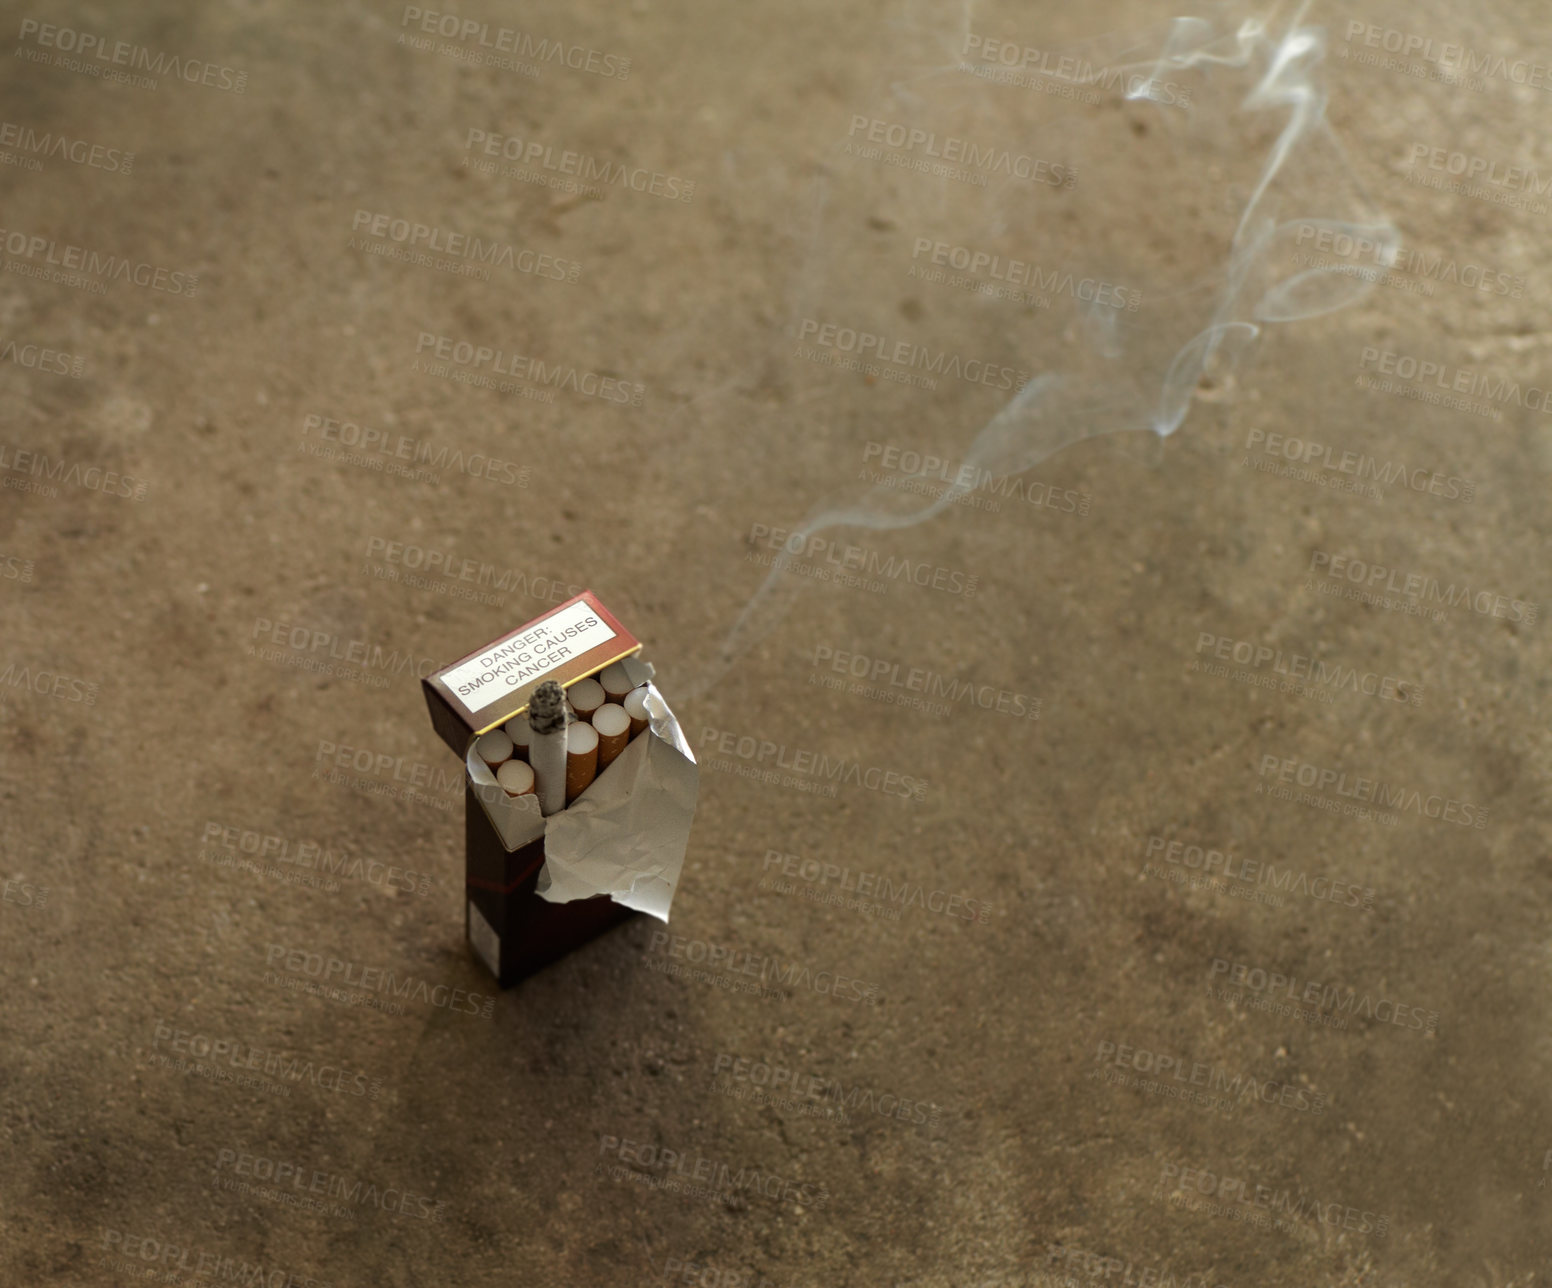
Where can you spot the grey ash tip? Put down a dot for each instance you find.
(547, 708)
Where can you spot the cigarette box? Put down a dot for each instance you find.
(539, 886)
(510, 928)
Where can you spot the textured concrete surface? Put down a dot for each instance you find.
(1058, 1059)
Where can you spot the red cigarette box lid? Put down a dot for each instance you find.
(494, 683)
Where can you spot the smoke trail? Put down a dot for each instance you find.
(1128, 377)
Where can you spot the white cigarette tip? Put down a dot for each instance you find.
(587, 695)
(516, 778)
(494, 746)
(611, 720)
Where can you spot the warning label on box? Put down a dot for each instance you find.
(517, 661)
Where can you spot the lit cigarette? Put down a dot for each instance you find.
(586, 697)
(516, 778)
(616, 683)
(547, 746)
(494, 748)
(636, 708)
(613, 727)
(581, 758)
(518, 731)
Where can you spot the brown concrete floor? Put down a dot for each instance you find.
(123, 925)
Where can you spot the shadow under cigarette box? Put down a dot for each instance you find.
(529, 932)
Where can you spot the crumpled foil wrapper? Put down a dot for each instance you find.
(625, 836)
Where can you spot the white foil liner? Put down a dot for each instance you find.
(625, 836)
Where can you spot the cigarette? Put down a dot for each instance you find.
(519, 732)
(516, 778)
(494, 748)
(616, 683)
(586, 697)
(581, 758)
(613, 727)
(635, 705)
(547, 746)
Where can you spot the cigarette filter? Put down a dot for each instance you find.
(581, 759)
(516, 778)
(586, 697)
(613, 727)
(636, 708)
(494, 748)
(616, 681)
(518, 731)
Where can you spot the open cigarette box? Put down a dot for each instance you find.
(544, 877)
